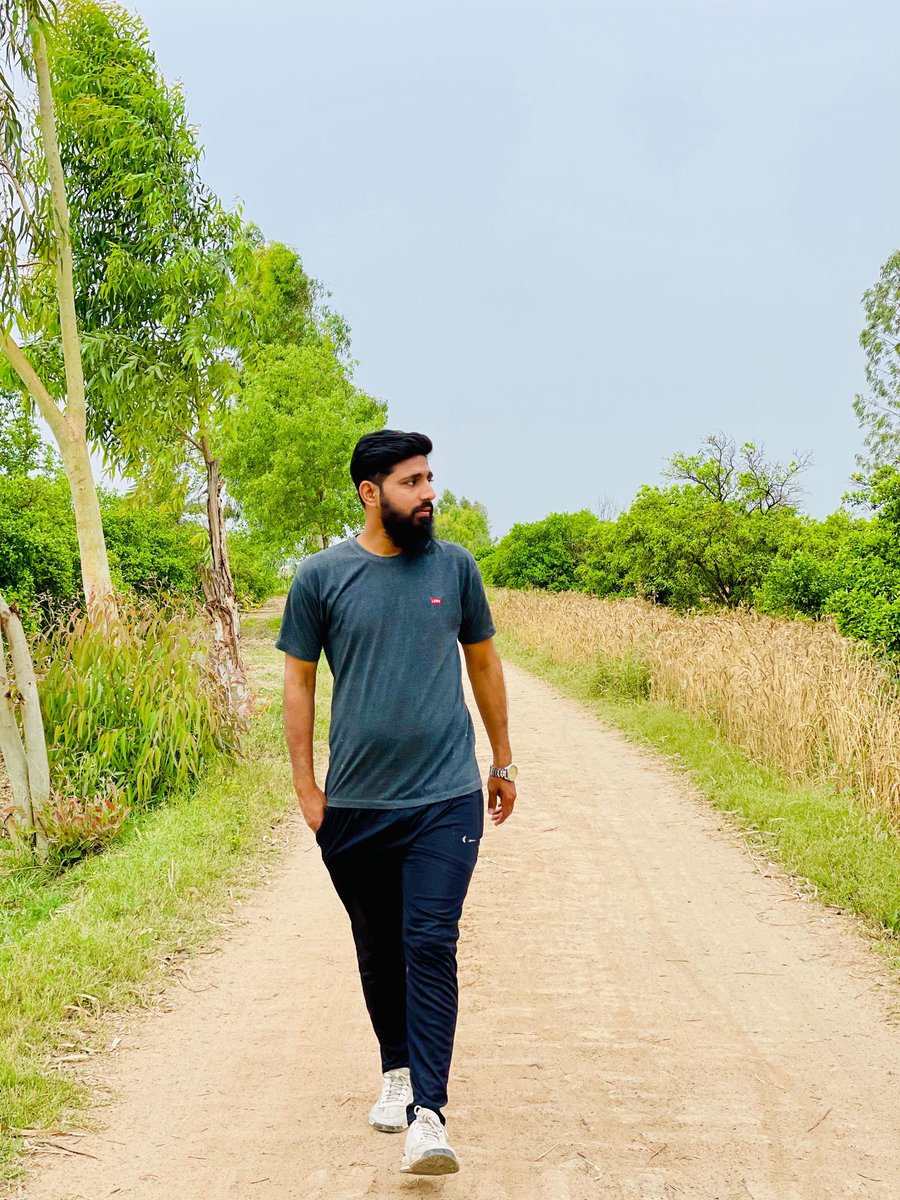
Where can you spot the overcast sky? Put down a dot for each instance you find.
(570, 236)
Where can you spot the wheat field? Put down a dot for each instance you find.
(795, 695)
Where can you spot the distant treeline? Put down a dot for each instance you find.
(725, 531)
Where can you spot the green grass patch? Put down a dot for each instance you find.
(850, 858)
(95, 938)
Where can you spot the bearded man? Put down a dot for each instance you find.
(402, 813)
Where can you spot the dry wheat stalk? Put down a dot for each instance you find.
(795, 695)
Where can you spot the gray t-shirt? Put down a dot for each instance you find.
(401, 734)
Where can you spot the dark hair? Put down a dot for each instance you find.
(376, 454)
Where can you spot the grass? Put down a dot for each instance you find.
(850, 858)
(96, 938)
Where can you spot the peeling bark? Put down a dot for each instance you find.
(24, 750)
(218, 589)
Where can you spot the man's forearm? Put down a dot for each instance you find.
(489, 689)
(299, 724)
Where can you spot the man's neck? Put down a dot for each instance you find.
(376, 541)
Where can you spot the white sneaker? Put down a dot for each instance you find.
(427, 1149)
(389, 1112)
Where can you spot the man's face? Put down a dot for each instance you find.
(407, 506)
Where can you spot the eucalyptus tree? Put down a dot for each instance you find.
(299, 413)
(156, 261)
(39, 331)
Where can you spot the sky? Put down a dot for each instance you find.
(571, 237)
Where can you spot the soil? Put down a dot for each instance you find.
(648, 1010)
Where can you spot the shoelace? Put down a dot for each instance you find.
(431, 1125)
(393, 1090)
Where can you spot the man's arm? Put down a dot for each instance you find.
(299, 722)
(486, 676)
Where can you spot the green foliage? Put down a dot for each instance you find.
(151, 550)
(709, 539)
(150, 240)
(800, 581)
(156, 254)
(279, 295)
(864, 565)
(289, 461)
(141, 711)
(743, 476)
(602, 570)
(626, 678)
(22, 449)
(39, 568)
(25, 228)
(463, 521)
(798, 586)
(256, 575)
(680, 546)
(878, 412)
(545, 554)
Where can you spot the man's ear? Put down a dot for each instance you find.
(368, 492)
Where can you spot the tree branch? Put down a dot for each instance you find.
(19, 190)
(50, 410)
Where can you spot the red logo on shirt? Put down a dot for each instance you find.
(435, 600)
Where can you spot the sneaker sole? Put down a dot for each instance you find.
(439, 1163)
(383, 1128)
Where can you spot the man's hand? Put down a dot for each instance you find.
(312, 804)
(501, 798)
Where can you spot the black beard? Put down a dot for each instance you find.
(412, 537)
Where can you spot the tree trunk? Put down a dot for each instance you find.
(218, 588)
(95, 575)
(24, 751)
(69, 427)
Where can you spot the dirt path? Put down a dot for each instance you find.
(644, 1014)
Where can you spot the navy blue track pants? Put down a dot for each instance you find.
(402, 875)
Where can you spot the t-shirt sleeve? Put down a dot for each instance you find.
(302, 625)
(476, 625)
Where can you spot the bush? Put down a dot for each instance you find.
(76, 827)
(866, 599)
(39, 566)
(798, 586)
(544, 554)
(136, 708)
(152, 551)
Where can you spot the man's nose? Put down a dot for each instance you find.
(429, 494)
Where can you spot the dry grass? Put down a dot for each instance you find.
(796, 696)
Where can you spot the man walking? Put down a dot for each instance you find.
(402, 813)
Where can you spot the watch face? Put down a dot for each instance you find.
(511, 772)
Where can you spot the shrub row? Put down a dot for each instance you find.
(153, 552)
(685, 550)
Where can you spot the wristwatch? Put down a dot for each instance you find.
(509, 772)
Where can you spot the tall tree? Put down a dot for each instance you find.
(156, 265)
(463, 521)
(299, 418)
(741, 476)
(878, 411)
(37, 288)
(299, 413)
